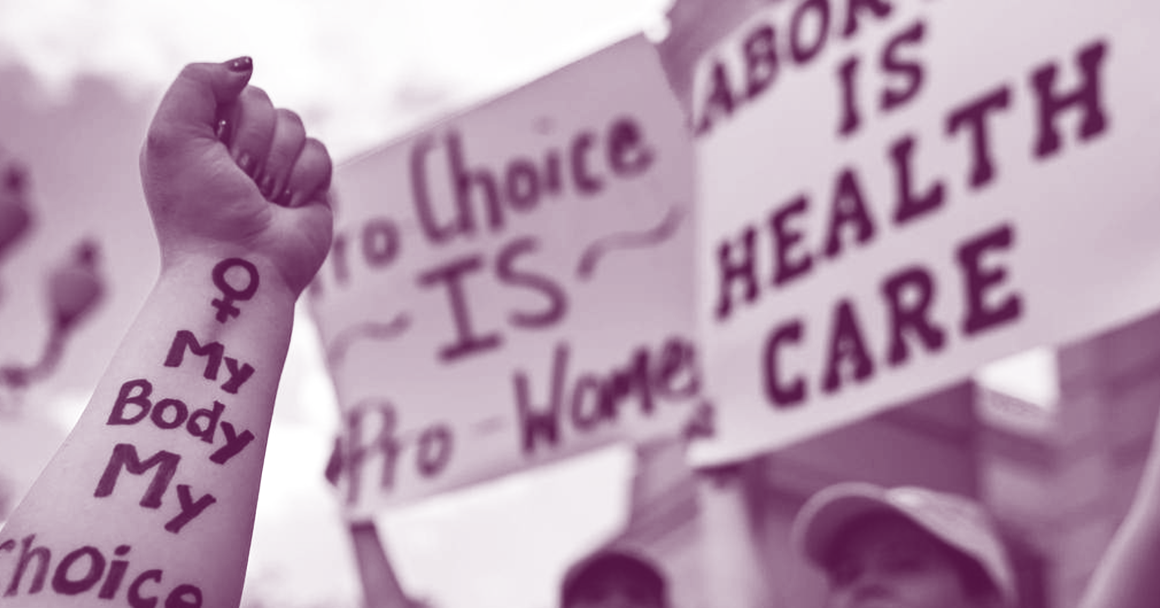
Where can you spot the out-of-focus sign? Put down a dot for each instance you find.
(893, 193)
(513, 285)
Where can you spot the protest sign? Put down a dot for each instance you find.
(892, 194)
(513, 285)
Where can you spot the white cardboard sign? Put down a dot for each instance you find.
(892, 194)
(513, 285)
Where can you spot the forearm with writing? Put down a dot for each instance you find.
(150, 501)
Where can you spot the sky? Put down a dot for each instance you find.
(78, 82)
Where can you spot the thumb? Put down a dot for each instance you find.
(192, 101)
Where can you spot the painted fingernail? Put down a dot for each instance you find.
(241, 64)
(284, 198)
(246, 163)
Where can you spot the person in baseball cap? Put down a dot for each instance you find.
(904, 546)
(614, 578)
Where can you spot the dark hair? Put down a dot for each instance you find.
(605, 563)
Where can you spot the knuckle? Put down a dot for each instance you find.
(253, 94)
(161, 140)
(314, 146)
(291, 120)
(326, 166)
(313, 169)
(191, 70)
(199, 72)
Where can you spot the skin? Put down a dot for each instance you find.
(889, 562)
(615, 591)
(208, 209)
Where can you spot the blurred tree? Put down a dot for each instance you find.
(15, 217)
(74, 289)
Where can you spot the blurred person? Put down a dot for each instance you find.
(150, 501)
(614, 578)
(73, 288)
(912, 547)
(908, 547)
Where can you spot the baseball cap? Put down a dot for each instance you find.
(955, 520)
(625, 562)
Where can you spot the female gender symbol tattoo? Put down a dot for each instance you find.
(225, 304)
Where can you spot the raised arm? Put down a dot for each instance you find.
(150, 501)
(1127, 574)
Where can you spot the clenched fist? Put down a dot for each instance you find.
(225, 172)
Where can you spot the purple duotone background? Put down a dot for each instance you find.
(1052, 441)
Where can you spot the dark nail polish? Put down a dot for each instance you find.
(284, 198)
(241, 64)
